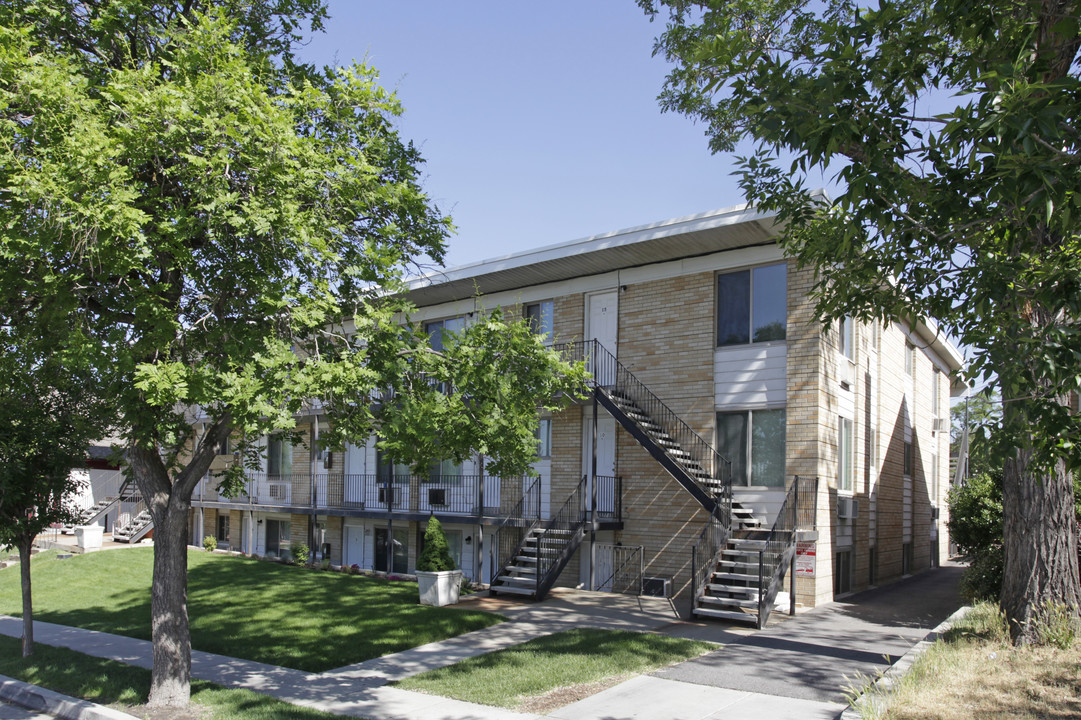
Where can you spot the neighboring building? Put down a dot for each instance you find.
(705, 327)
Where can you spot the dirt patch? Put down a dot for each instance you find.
(191, 712)
(557, 698)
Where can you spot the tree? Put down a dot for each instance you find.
(234, 225)
(49, 416)
(953, 129)
(435, 557)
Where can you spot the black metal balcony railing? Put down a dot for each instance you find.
(468, 495)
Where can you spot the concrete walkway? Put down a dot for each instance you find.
(794, 669)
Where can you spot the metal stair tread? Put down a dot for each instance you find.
(727, 614)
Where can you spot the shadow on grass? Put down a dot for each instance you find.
(111, 683)
(257, 610)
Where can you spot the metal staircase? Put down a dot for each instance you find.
(746, 574)
(92, 514)
(689, 459)
(138, 522)
(536, 561)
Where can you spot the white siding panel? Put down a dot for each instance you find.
(752, 375)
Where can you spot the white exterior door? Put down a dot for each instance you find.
(602, 325)
(354, 546)
(606, 459)
(245, 533)
(354, 472)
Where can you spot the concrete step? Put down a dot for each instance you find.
(727, 615)
(510, 589)
(729, 602)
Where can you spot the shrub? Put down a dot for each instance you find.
(300, 553)
(435, 556)
(325, 565)
(1055, 625)
(210, 543)
(982, 579)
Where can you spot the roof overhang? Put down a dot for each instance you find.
(710, 232)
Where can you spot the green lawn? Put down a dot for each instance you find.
(124, 686)
(509, 677)
(279, 614)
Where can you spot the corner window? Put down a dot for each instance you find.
(844, 455)
(754, 442)
(541, 318)
(910, 359)
(910, 460)
(752, 305)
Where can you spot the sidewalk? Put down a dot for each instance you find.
(804, 658)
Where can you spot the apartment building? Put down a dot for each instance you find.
(714, 389)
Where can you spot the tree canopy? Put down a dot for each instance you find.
(233, 227)
(952, 128)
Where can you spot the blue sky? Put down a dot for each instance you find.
(538, 121)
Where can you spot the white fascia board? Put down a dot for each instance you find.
(618, 238)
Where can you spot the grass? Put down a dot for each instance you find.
(514, 677)
(125, 687)
(252, 609)
(974, 672)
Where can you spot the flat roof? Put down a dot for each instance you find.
(709, 232)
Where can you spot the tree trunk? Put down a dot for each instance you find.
(1040, 538)
(25, 544)
(170, 682)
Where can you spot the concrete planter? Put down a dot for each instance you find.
(88, 537)
(439, 588)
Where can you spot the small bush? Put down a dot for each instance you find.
(982, 579)
(300, 553)
(435, 557)
(210, 543)
(325, 565)
(354, 569)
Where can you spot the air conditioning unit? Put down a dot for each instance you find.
(941, 425)
(657, 587)
(437, 496)
(386, 495)
(847, 508)
(278, 491)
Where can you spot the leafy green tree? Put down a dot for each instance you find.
(232, 226)
(49, 416)
(435, 557)
(952, 127)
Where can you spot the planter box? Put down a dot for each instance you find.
(88, 537)
(439, 588)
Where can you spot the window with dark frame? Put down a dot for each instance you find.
(752, 305)
(541, 318)
(754, 442)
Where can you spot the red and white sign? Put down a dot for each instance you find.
(805, 559)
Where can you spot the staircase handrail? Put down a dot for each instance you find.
(796, 511)
(603, 364)
(517, 513)
(706, 550)
(569, 517)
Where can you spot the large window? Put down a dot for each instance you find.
(753, 440)
(279, 455)
(277, 538)
(540, 317)
(845, 453)
(752, 305)
(440, 331)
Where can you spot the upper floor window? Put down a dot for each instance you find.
(909, 460)
(848, 338)
(279, 455)
(541, 318)
(752, 305)
(440, 331)
(910, 359)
